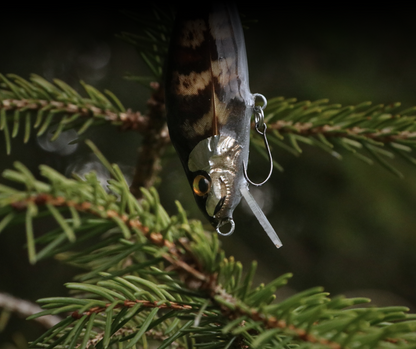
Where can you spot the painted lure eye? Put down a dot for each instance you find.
(201, 185)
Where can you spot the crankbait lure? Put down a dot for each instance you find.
(209, 109)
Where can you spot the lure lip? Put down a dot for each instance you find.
(261, 217)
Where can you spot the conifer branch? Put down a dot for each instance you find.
(307, 129)
(39, 104)
(381, 130)
(127, 120)
(161, 274)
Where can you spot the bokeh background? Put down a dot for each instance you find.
(345, 225)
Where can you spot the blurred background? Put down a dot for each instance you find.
(345, 225)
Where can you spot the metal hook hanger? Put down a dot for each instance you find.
(259, 123)
(224, 222)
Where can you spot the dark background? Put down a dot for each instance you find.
(345, 225)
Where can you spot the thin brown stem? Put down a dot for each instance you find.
(307, 129)
(128, 120)
(24, 309)
(153, 145)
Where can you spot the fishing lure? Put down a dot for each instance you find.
(209, 109)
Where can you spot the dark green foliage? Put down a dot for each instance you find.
(152, 42)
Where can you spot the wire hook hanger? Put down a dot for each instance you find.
(260, 124)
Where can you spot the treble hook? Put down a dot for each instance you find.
(259, 122)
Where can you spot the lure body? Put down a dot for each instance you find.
(209, 107)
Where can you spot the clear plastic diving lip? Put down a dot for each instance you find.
(264, 222)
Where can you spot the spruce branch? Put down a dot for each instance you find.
(154, 274)
(382, 130)
(39, 104)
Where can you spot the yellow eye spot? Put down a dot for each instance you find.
(201, 185)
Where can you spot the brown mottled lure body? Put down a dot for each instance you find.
(209, 106)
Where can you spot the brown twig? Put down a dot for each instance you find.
(25, 308)
(128, 120)
(307, 129)
(154, 143)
